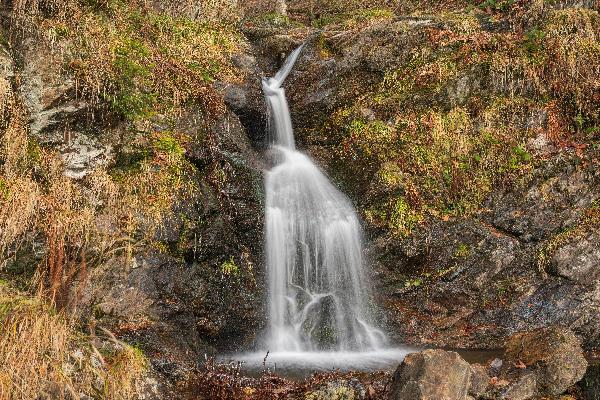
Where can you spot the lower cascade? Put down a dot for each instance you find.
(318, 292)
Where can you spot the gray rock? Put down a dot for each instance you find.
(431, 375)
(82, 154)
(56, 116)
(235, 97)
(553, 354)
(522, 388)
(480, 380)
(552, 202)
(579, 260)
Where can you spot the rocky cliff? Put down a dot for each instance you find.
(467, 134)
(469, 141)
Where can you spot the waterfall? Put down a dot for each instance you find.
(318, 292)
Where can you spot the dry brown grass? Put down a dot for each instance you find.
(573, 51)
(19, 194)
(80, 224)
(42, 356)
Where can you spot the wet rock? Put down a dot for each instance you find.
(246, 99)
(554, 356)
(590, 384)
(431, 375)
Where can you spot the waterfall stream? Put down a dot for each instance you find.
(318, 292)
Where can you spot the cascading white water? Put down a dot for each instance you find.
(317, 287)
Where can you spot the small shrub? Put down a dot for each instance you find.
(229, 267)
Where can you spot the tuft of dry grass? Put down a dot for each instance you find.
(572, 43)
(42, 355)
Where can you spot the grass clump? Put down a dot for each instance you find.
(42, 355)
(433, 163)
(152, 63)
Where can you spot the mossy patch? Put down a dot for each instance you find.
(141, 62)
(456, 118)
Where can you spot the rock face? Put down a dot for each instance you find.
(578, 260)
(505, 280)
(590, 384)
(554, 356)
(194, 287)
(525, 257)
(57, 118)
(431, 375)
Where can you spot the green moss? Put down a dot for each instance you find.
(519, 158)
(323, 48)
(462, 250)
(230, 268)
(128, 163)
(132, 68)
(416, 282)
(403, 218)
(165, 142)
(534, 41)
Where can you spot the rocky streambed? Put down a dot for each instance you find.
(546, 363)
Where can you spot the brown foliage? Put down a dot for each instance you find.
(43, 356)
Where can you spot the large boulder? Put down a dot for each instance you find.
(553, 354)
(431, 375)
